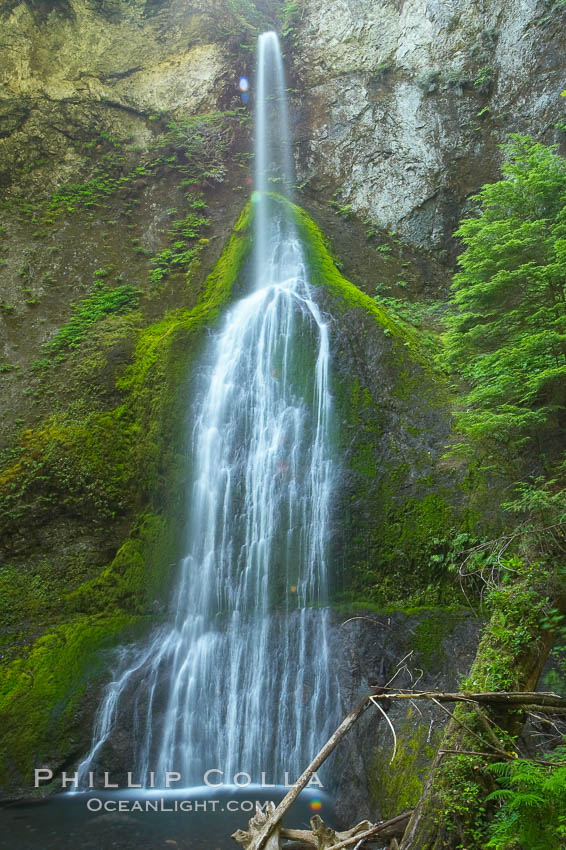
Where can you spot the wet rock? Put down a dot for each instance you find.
(405, 103)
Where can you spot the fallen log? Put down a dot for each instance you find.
(321, 836)
(506, 698)
(392, 828)
(255, 825)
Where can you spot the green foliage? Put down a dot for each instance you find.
(426, 316)
(533, 804)
(462, 816)
(195, 146)
(484, 79)
(289, 19)
(102, 302)
(108, 177)
(518, 606)
(201, 142)
(507, 337)
(343, 210)
(198, 145)
(554, 622)
(91, 466)
(186, 244)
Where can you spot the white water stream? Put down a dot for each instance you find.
(240, 680)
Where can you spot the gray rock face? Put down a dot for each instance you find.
(79, 82)
(67, 68)
(406, 102)
(407, 650)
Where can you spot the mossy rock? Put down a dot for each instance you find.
(41, 692)
(396, 784)
(397, 499)
(124, 465)
(429, 635)
(104, 467)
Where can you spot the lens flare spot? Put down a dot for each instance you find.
(244, 84)
(316, 805)
(256, 197)
(293, 588)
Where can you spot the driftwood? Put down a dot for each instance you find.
(264, 825)
(392, 828)
(322, 837)
(255, 825)
(260, 840)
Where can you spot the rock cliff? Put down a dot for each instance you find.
(124, 165)
(405, 103)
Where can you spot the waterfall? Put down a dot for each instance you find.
(240, 679)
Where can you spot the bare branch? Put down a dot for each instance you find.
(377, 705)
(375, 830)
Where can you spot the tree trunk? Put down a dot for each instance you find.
(452, 810)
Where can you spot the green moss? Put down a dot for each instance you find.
(514, 630)
(68, 465)
(135, 578)
(395, 553)
(429, 635)
(397, 786)
(364, 420)
(323, 272)
(40, 692)
(412, 525)
(125, 465)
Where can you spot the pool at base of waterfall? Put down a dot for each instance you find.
(128, 819)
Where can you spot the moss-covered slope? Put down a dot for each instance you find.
(399, 503)
(111, 468)
(124, 466)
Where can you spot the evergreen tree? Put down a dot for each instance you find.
(507, 336)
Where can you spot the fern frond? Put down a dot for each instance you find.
(500, 768)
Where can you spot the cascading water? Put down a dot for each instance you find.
(240, 680)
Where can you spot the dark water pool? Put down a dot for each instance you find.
(192, 819)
